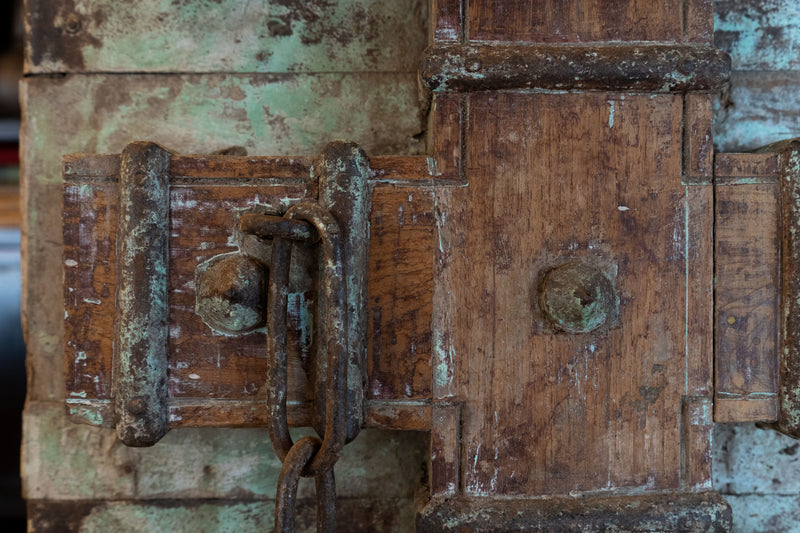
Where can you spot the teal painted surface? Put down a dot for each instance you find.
(268, 115)
(226, 36)
(203, 517)
(758, 109)
(755, 469)
(66, 461)
(759, 34)
(366, 515)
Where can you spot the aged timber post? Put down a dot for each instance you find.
(572, 317)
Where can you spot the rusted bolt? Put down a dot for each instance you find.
(576, 297)
(73, 24)
(232, 293)
(137, 406)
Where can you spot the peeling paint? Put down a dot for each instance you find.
(226, 36)
(611, 113)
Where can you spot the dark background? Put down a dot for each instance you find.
(12, 349)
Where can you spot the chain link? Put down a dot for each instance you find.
(310, 456)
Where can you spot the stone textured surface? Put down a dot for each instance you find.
(758, 470)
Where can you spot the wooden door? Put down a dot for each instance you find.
(541, 274)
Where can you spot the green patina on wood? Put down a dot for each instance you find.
(67, 461)
(225, 36)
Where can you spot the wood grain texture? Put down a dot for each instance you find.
(591, 20)
(205, 365)
(553, 178)
(698, 138)
(445, 461)
(449, 111)
(699, 334)
(747, 242)
(698, 24)
(447, 20)
(400, 293)
(746, 167)
(698, 425)
(225, 36)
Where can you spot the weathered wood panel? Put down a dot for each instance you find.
(446, 20)
(268, 115)
(593, 20)
(203, 364)
(747, 240)
(698, 23)
(224, 36)
(699, 213)
(698, 140)
(704, 511)
(400, 294)
(552, 178)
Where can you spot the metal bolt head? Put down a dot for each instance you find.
(137, 406)
(232, 293)
(73, 24)
(576, 297)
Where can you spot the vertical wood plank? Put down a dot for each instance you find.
(698, 424)
(90, 223)
(747, 299)
(449, 110)
(699, 333)
(401, 293)
(698, 140)
(445, 457)
(447, 22)
(698, 24)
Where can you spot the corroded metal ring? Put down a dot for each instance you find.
(336, 315)
(286, 501)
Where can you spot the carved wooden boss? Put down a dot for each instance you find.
(539, 293)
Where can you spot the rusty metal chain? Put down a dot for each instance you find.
(310, 456)
(299, 456)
